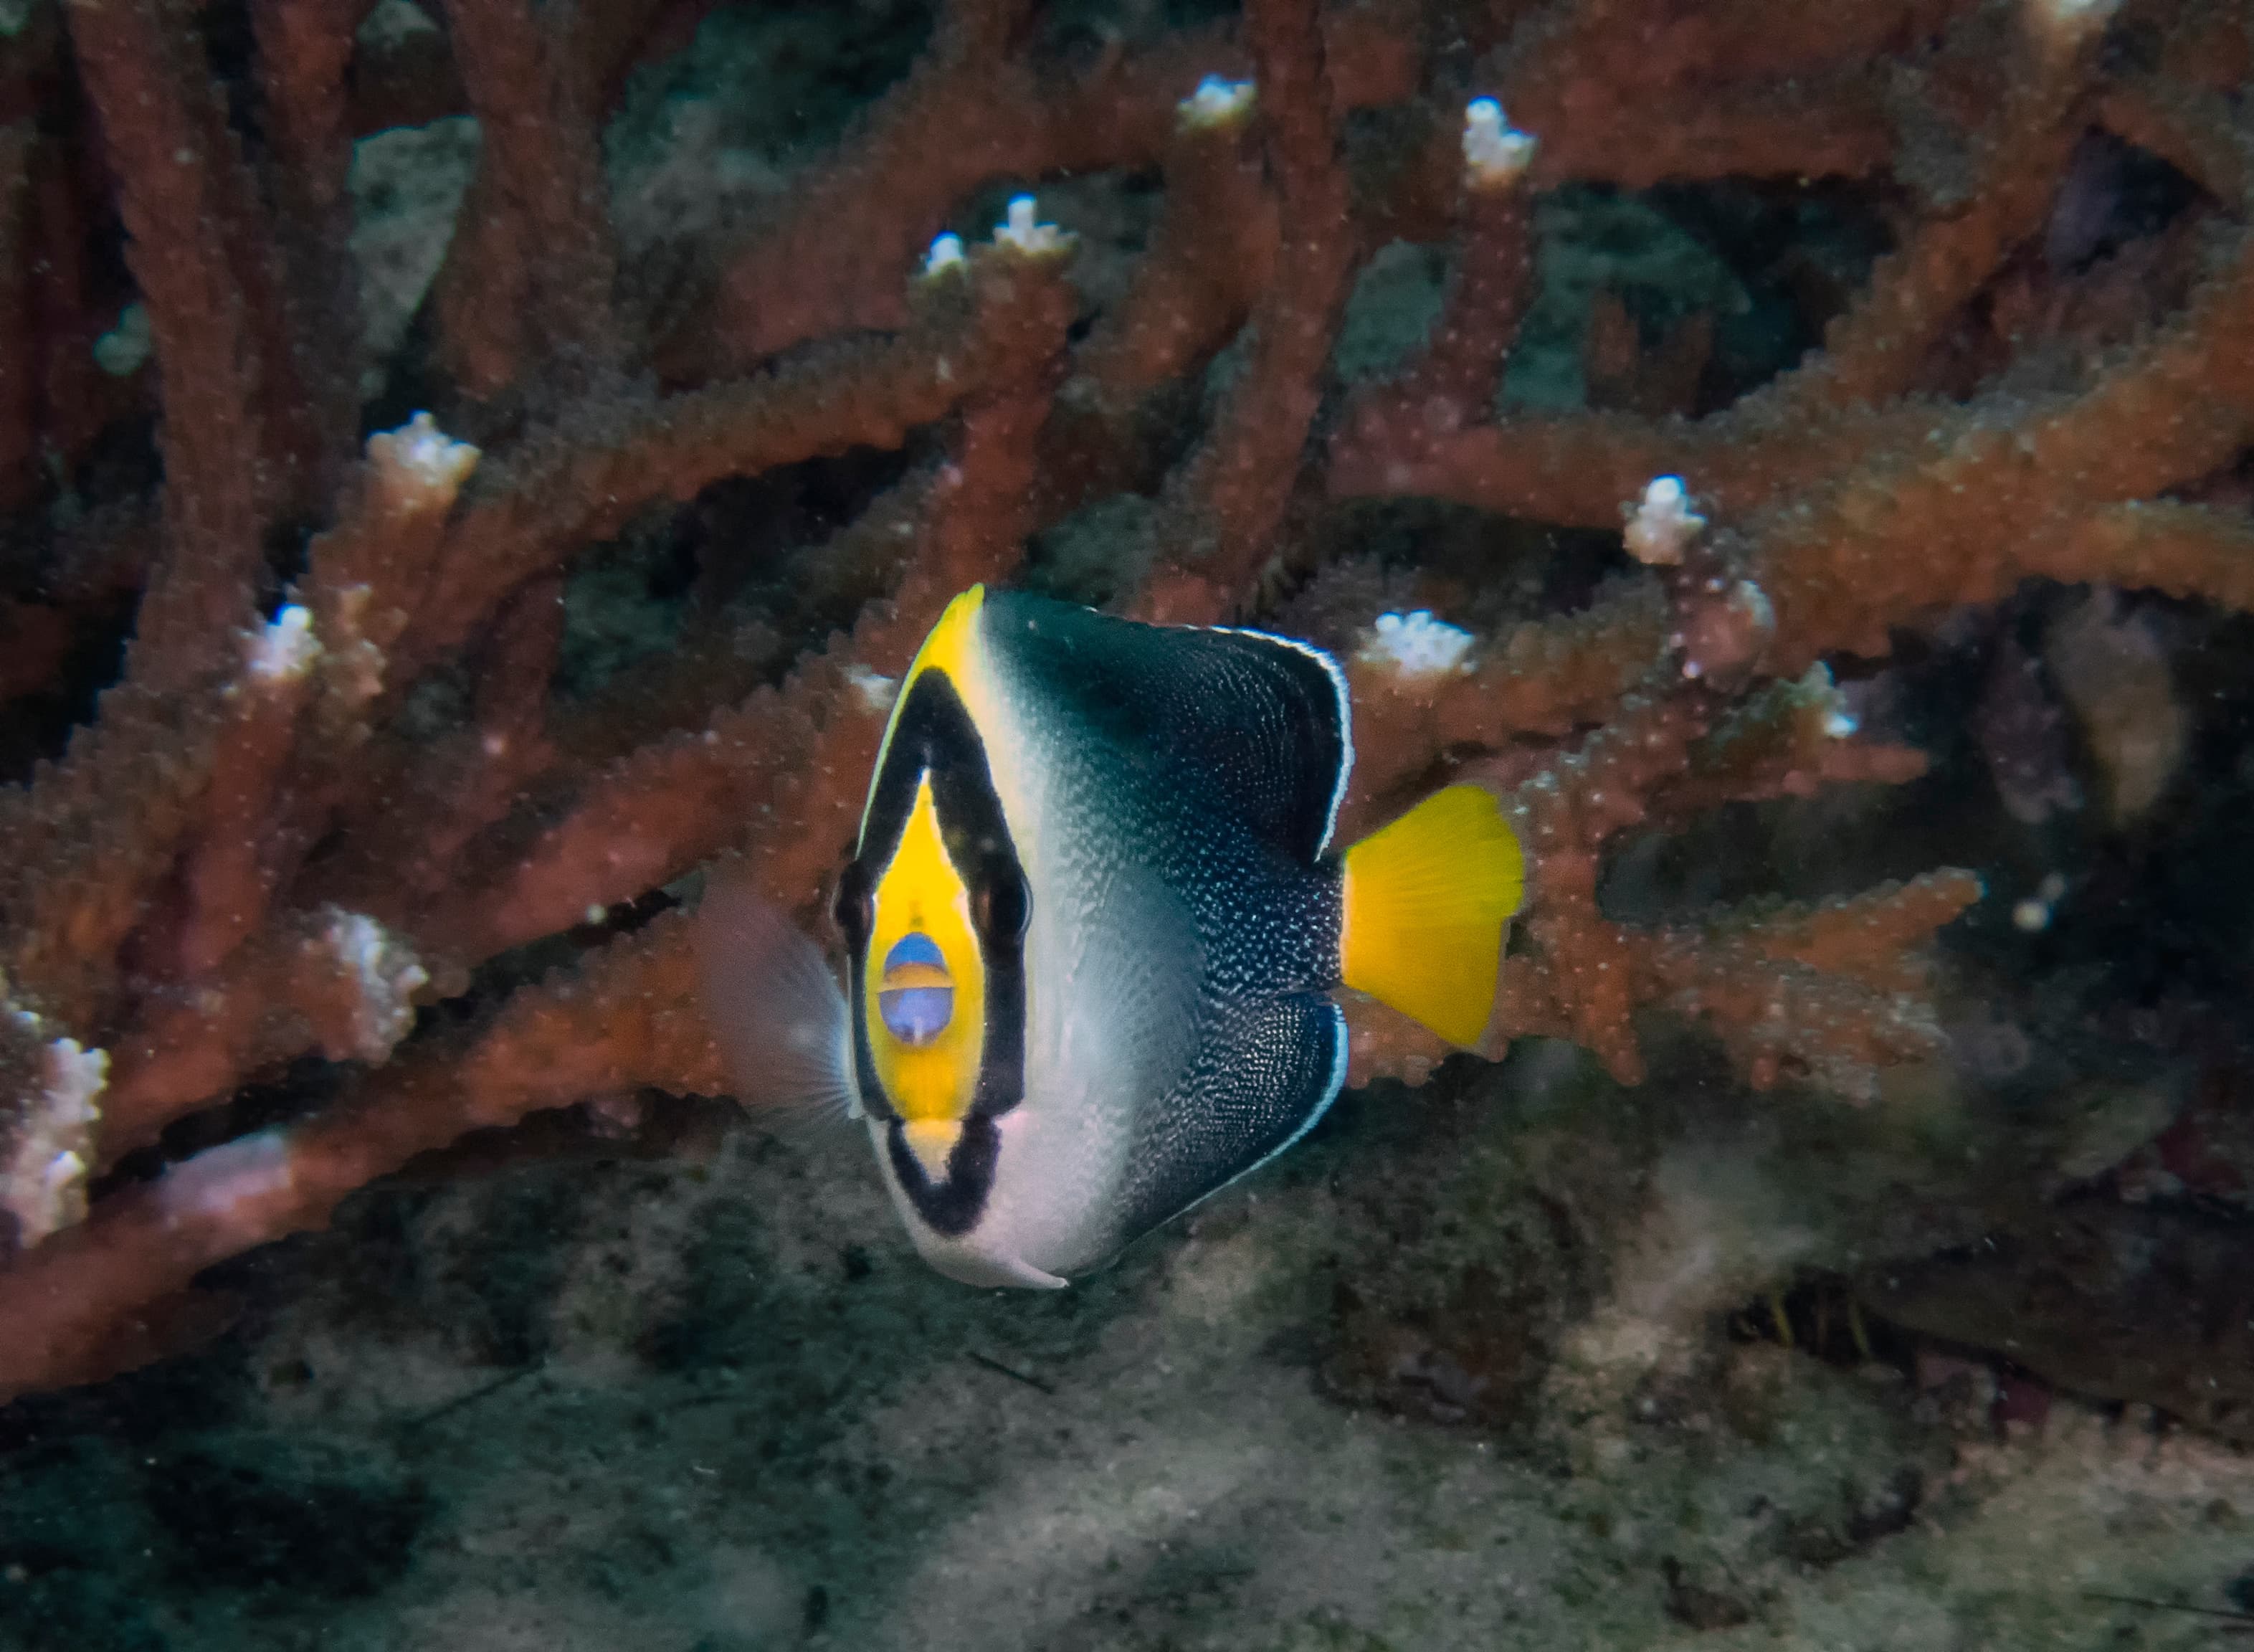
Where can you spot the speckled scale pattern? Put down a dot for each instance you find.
(1266, 1069)
(1207, 762)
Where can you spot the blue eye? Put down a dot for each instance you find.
(915, 997)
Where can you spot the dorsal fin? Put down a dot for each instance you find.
(1252, 727)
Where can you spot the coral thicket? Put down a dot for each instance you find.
(341, 816)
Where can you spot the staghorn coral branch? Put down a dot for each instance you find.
(894, 189)
(536, 262)
(975, 527)
(1876, 350)
(239, 995)
(1210, 256)
(1829, 993)
(1455, 377)
(18, 381)
(233, 868)
(1832, 126)
(304, 51)
(627, 1019)
(1833, 993)
(1881, 502)
(1779, 1016)
(1452, 384)
(1233, 495)
(1787, 739)
(1862, 936)
(1226, 504)
(1641, 46)
(1635, 93)
(100, 829)
(1976, 510)
(585, 479)
(365, 576)
(209, 357)
(832, 261)
(2191, 126)
(226, 878)
(1548, 677)
(1579, 468)
(112, 817)
(2185, 551)
(445, 793)
(673, 804)
(328, 980)
(1564, 816)
(656, 812)
(650, 817)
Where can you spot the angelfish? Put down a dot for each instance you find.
(1094, 931)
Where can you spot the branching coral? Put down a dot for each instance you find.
(265, 845)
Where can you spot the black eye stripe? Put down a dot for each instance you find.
(855, 906)
(935, 737)
(1004, 904)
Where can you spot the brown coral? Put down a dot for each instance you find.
(259, 849)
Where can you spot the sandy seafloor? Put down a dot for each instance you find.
(1456, 1374)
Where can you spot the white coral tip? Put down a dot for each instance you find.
(1023, 230)
(43, 1180)
(425, 455)
(226, 1186)
(1495, 153)
(1415, 645)
(121, 351)
(1664, 524)
(1217, 102)
(2068, 22)
(386, 974)
(283, 649)
(1825, 693)
(946, 254)
(874, 688)
(74, 1076)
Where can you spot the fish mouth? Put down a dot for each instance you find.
(931, 1143)
(939, 1181)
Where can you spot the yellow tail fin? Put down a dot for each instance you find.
(1427, 900)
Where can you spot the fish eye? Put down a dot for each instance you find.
(856, 907)
(915, 997)
(1004, 904)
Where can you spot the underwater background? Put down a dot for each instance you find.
(1888, 1285)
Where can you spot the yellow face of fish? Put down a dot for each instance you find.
(923, 986)
(934, 908)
